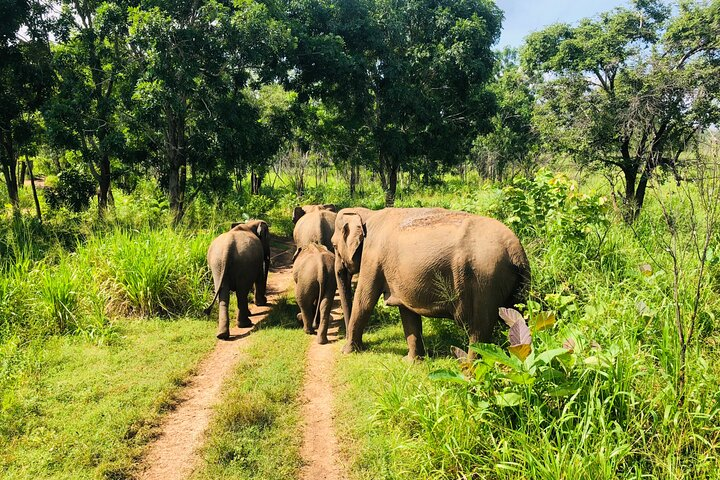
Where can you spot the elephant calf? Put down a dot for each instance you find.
(315, 284)
(314, 224)
(238, 260)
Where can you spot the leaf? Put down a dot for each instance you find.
(548, 355)
(510, 399)
(521, 378)
(645, 269)
(448, 376)
(519, 333)
(458, 352)
(569, 344)
(595, 345)
(520, 351)
(563, 391)
(492, 354)
(643, 310)
(543, 320)
(510, 316)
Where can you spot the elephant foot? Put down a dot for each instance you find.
(261, 302)
(223, 336)
(322, 339)
(245, 323)
(309, 331)
(351, 347)
(413, 358)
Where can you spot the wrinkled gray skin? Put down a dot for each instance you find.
(432, 262)
(344, 271)
(238, 260)
(314, 275)
(314, 224)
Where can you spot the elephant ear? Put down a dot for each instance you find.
(353, 234)
(330, 207)
(298, 212)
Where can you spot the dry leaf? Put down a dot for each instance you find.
(520, 351)
(544, 320)
(569, 344)
(645, 269)
(510, 316)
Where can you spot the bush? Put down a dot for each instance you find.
(73, 190)
(551, 205)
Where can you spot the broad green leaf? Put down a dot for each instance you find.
(521, 378)
(510, 399)
(448, 376)
(492, 354)
(548, 355)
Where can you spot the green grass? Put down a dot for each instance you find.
(256, 433)
(76, 409)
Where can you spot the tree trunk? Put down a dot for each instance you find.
(23, 168)
(391, 185)
(104, 183)
(256, 179)
(353, 180)
(9, 166)
(34, 191)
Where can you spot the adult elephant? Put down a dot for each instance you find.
(238, 260)
(428, 261)
(314, 224)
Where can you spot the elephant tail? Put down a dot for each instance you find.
(522, 266)
(218, 285)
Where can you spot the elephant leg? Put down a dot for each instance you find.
(366, 296)
(243, 312)
(412, 325)
(324, 314)
(260, 290)
(223, 331)
(481, 327)
(307, 311)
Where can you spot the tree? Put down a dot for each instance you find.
(513, 138)
(90, 62)
(413, 72)
(193, 57)
(631, 89)
(25, 81)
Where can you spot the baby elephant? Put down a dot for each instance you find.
(315, 284)
(238, 260)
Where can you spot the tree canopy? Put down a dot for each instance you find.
(631, 89)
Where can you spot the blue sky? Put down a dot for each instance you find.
(525, 16)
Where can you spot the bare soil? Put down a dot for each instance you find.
(174, 454)
(320, 450)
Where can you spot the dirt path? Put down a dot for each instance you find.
(174, 454)
(320, 450)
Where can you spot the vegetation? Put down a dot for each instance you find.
(147, 127)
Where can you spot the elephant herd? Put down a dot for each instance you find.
(428, 262)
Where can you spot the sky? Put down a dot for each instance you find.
(525, 16)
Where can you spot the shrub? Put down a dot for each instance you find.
(551, 205)
(73, 190)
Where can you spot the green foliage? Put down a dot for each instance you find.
(83, 410)
(630, 90)
(551, 205)
(154, 272)
(73, 190)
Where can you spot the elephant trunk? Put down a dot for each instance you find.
(345, 289)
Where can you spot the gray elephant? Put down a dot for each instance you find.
(314, 224)
(238, 260)
(314, 275)
(428, 261)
